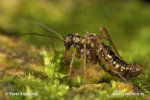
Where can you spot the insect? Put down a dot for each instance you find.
(92, 49)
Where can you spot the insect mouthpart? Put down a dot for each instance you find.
(135, 70)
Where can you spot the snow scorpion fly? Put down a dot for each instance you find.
(92, 49)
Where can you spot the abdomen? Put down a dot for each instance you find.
(106, 58)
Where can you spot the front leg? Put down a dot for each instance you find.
(71, 64)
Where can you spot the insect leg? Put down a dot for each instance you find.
(104, 68)
(115, 72)
(103, 29)
(112, 68)
(84, 65)
(72, 60)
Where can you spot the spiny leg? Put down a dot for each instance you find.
(112, 68)
(71, 64)
(110, 63)
(108, 70)
(114, 71)
(84, 65)
(103, 29)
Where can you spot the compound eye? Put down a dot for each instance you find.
(68, 41)
(68, 38)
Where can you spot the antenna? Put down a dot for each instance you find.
(37, 34)
(43, 26)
